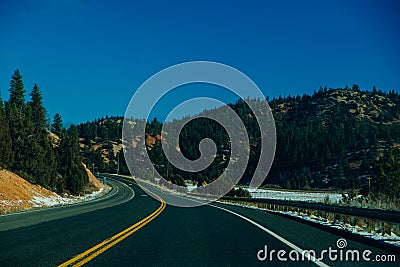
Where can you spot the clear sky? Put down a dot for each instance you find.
(88, 57)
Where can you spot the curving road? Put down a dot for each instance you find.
(118, 194)
(144, 232)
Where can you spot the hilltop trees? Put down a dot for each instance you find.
(27, 148)
(328, 140)
(323, 142)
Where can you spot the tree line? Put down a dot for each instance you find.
(41, 152)
(331, 139)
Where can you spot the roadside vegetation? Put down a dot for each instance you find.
(42, 153)
(344, 140)
(334, 140)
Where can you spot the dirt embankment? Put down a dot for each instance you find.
(17, 194)
(94, 184)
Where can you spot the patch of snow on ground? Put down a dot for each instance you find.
(41, 201)
(190, 188)
(392, 239)
(295, 196)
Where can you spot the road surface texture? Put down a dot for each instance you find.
(121, 230)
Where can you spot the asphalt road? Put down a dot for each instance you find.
(118, 194)
(145, 232)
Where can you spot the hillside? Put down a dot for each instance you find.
(17, 194)
(332, 139)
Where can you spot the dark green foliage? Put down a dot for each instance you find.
(177, 179)
(6, 155)
(70, 164)
(327, 140)
(239, 192)
(321, 141)
(107, 132)
(26, 146)
(39, 119)
(22, 135)
(17, 91)
(57, 125)
(388, 178)
(33, 155)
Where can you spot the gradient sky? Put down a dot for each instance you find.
(89, 57)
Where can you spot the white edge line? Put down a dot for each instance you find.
(283, 240)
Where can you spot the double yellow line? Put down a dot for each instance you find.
(95, 251)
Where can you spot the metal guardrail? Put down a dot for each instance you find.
(372, 214)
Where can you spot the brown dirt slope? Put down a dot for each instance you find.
(94, 184)
(17, 194)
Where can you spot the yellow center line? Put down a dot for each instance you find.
(95, 251)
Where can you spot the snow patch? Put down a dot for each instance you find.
(56, 200)
(295, 196)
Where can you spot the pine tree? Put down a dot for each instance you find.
(25, 145)
(18, 117)
(15, 107)
(69, 162)
(6, 155)
(33, 156)
(23, 139)
(44, 164)
(39, 119)
(56, 126)
(355, 87)
(17, 91)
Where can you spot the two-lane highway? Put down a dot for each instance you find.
(55, 241)
(118, 194)
(145, 232)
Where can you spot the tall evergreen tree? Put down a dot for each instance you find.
(56, 126)
(23, 139)
(17, 91)
(69, 162)
(15, 107)
(18, 117)
(25, 146)
(45, 169)
(39, 117)
(33, 156)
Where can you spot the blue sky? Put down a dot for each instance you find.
(89, 57)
